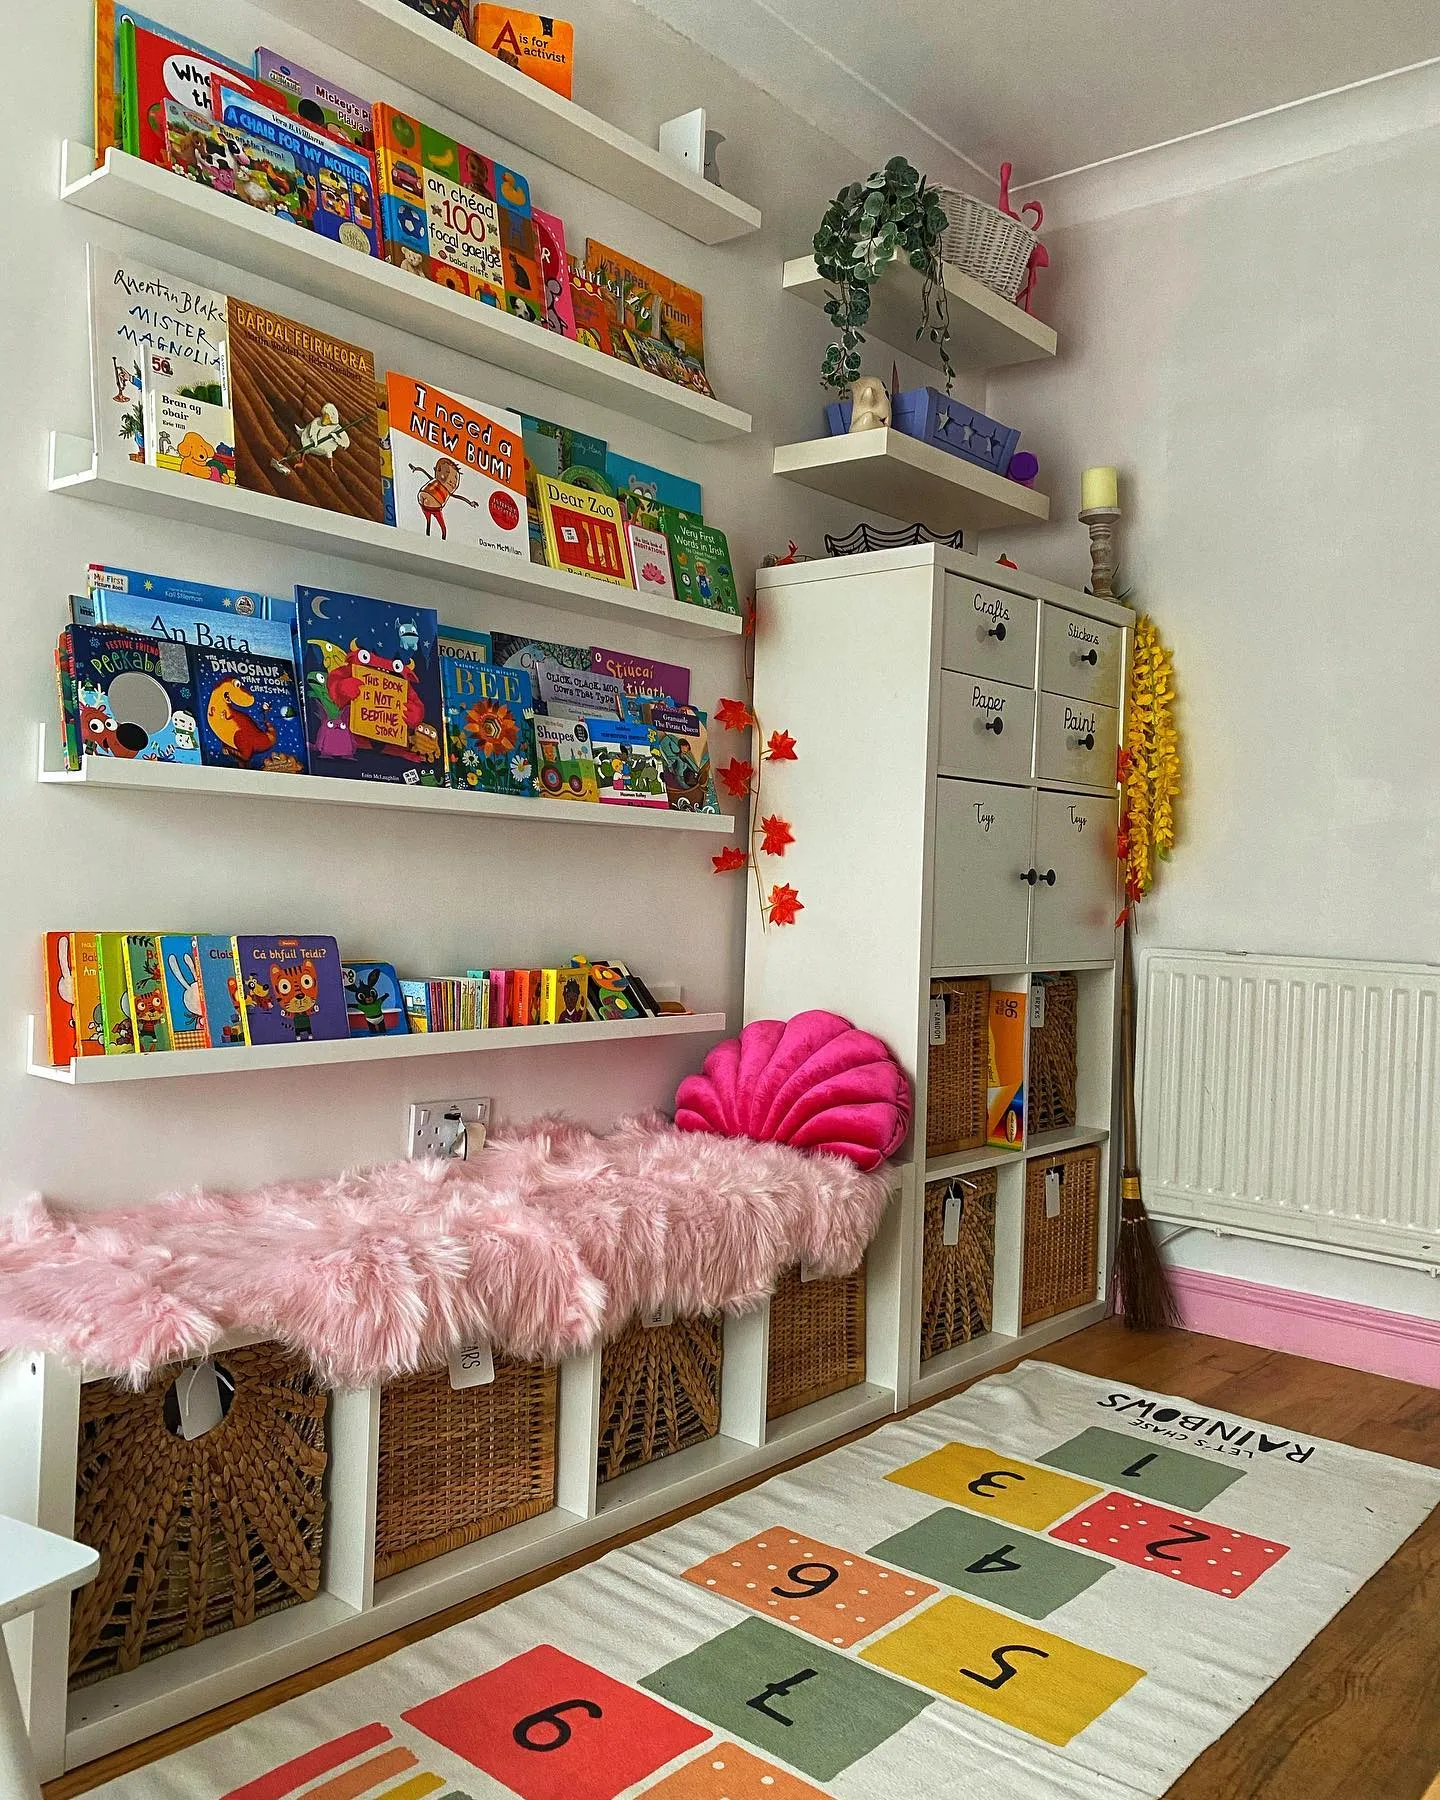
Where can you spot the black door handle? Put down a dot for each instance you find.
(997, 725)
(997, 632)
(1030, 876)
(1087, 742)
(1048, 877)
(1089, 656)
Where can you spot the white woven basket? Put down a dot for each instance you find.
(984, 242)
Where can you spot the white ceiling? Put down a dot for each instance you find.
(1051, 85)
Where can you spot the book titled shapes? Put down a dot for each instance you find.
(187, 427)
(456, 464)
(305, 419)
(184, 992)
(681, 743)
(650, 559)
(565, 767)
(249, 711)
(700, 563)
(536, 44)
(131, 696)
(147, 992)
(641, 678)
(371, 675)
(292, 989)
(440, 205)
(317, 101)
(60, 1027)
(157, 68)
(627, 769)
(220, 992)
(584, 531)
(376, 1006)
(489, 721)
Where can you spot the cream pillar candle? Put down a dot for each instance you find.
(1099, 488)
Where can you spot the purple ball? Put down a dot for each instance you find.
(1024, 467)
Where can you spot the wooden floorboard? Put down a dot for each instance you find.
(1356, 1717)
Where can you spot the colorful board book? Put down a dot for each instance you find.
(374, 1002)
(680, 740)
(536, 44)
(700, 562)
(372, 688)
(153, 67)
(563, 996)
(584, 531)
(184, 992)
(292, 989)
(449, 456)
(116, 1021)
(128, 696)
(205, 618)
(60, 1011)
(642, 678)
(316, 100)
(1006, 1089)
(146, 991)
(188, 428)
(249, 712)
(220, 991)
(627, 767)
(489, 722)
(565, 768)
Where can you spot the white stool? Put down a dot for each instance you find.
(35, 1566)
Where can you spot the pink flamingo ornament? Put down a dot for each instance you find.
(1039, 256)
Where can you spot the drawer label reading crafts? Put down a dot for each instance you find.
(993, 607)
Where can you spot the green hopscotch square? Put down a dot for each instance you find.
(817, 1711)
(1173, 1476)
(993, 1561)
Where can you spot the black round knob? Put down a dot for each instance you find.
(1091, 656)
(1087, 742)
(1030, 876)
(1048, 878)
(997, 632)
(997, 725)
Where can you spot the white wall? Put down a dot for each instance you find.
(431, 894)
(1257, 354)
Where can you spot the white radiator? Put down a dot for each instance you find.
(1293, 1098)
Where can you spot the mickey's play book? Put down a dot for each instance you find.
(184, 992)
(116, 1022)
(127, 695)
(537, 45)
(292, 990)
(249, 712)
(584, 531)
(643, 679)
(376, 1007)
(60, 1026)
(372, 688)
(565, 768)
(489, 722)
(700, 561)
(220, 991)
(681, 744)
(457, 464)
(304, 404)
(146, 991)
(627, 770)
(316, 100)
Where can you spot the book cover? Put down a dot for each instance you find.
(627, 767)
(249, 712)
(230, 160)
(85, 974)
(292, 989)
(387, 461)
(374, 1002)
(220, 991)
(1006, 1093)
(556, 301)
(657, 357)
(104, 581)
(563, 996)
(304, 404)
(184, 992)
(641, 678)
(155, 67)
(584, 531)
(643, 301)
(499, 998)
(316, 100)
(642, 490)
(187, 427)
(60, 1027)
(456, 463)
(489, 724)
(133, 696)
(146, 992)
(134, 311)
(115, 1019)
(520, 260)
(508, 651)
(449, 15)
(700, 563)
(143, 604)
(415, 999)
(608, 998)
(577, 693)
(639, 993)
(371, 674)
(592, 316)
(650, 559)
(565, 769)
(536, 44)
(681, 742)
(439, 205)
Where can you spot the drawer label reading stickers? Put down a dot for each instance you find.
(989, 1481)
(1198, 1552)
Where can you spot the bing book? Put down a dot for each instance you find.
(292, 990)
(372, 688)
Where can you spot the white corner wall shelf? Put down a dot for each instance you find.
(394, 40)
(114, 774)
(164, 205)
(986, 332)
(887, 472)
(115, 481)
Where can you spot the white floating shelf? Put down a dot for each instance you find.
(88, 1071)
(969, 1162)
(165, 205)
(986, 332)
(131, 776)
(446, 68)
(75, 470)
(887, 472)
(1066, 1137)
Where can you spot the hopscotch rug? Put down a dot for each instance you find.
(1049, 1588)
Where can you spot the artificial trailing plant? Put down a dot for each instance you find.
(894, 212)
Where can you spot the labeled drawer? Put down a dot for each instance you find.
(1077, 741)
(1080, 656)
(1076, 887)
(981, 899)
(988, 632)
(986, 728)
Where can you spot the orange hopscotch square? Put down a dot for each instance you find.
(834, 1595)
(726, 1772)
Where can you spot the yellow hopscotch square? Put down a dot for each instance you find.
(992, 1482)
(1041, 1684)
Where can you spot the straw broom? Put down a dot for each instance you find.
(1142, 1288)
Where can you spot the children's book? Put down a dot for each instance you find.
(584, 531)
(534, 43)
(520, 260)
(135, 310)
(147, 992)
(642, 490)
(116, 1021)
(650, 559)
(499, 990)
(455, 463)
(85, 976)
(565, 768)
(184, 992)
(508, 651)
(155, 67)
(607, 997)
(60, 1022)
(316, 101)
(577, 693)
(387, 462)
(449, 15)
(304, 406)
(188, 429)
(700, 562)
(1005, 1110)
(129, 695)
(563, 995)
(249, 712)
(592, 316)
(680, 740)
(417, 1011)
(440, 205)
(230, 160)
(292, 989)
(555, 450)
(489, 722)
(372, 688)
(641, 678)
(556, 301)
(627, 769)
(376, 1006)
(638, 992)
(657, 357)
(220, 992)
(237, 624)
(647, 303)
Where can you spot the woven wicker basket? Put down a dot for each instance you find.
(982, 241)
(817, 1340)
(1061, 1253)
(957, 1286)
(1050, 1090)
(196, 1537)
(659, 1392)
(456, 1464)
(959, 1069)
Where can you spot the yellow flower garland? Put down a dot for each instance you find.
(1151, 761)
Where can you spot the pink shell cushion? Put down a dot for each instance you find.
(815, 1082)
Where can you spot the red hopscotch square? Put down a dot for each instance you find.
(1198, 1552)
(552, 1728)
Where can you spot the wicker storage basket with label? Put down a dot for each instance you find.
(1062, 1233)
(659, 1392)
(959, 1066)
(817, 1340)
(196, 1536)
(957, 1286)
(456, 1464)
(1051, 1088)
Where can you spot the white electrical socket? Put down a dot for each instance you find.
(435, 1127)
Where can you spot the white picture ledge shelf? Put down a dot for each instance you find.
(446, 68)
(887, 472)
(75, 470)
(117, 774)
(986, 332)
(91, 1071)
(165, 205)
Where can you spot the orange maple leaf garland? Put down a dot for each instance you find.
(736, 777)
(784, 903)
(741, 778)
(781, 747)
(734, 715)
(731, 857)
(776, 835)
